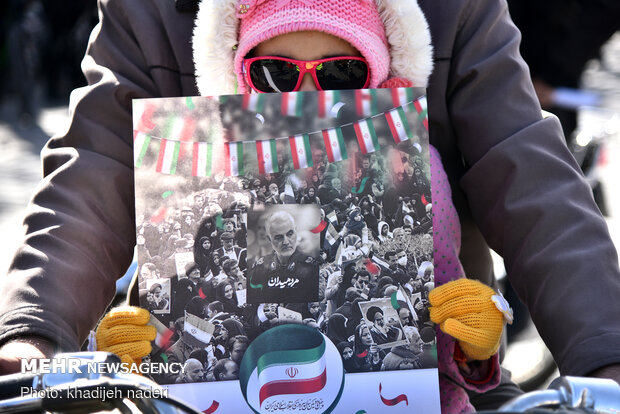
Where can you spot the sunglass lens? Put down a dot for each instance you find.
(271, 75)
(342, 74)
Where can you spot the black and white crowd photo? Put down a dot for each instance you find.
(338, 239)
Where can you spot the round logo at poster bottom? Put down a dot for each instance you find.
(291, 368)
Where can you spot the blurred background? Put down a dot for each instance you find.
(572, 47)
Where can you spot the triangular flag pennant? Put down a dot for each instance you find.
(300, 151)
(292, 103)
(366, 102)
(168, 156)
(334, 145)
(398, 124)
(234, 158)
(402, 96)
(141, 143)
(254, 102)
(327, 99)
(421, 107)
(366, 135)
(202, 159)
(267, 156)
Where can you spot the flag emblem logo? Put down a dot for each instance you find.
(292, 364)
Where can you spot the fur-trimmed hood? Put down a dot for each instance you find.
(215, 38)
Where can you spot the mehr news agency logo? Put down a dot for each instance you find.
(292, 368)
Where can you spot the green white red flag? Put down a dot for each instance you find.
(422, 108)
(366, 102)
(300, 151)
(141, 143)
(202, 159)
(327, 99)
(198, 331)
(179, 129)
(366, 135)
(168, 156)
(402, 96)
(254, 102)
(334, 144)
(234, 158)
(267, 156)
(292, 103)
(399, 126)
(292, 372)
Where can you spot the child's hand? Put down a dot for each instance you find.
(464, 310)
(124, 332)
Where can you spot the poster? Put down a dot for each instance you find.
(294, 234)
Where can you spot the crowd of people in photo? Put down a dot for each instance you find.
(374, 267)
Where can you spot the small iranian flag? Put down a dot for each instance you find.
(267, 156)
(202, 159)
(334, 144)
(421, 107)
(179, 129)
(141, 143)
(234, 158)
(292, 103)
(198, 332)
(331, 235)
(300, 151)
(399, 126)
(168, 156)
(327, 99)
(366, 102)
(332, 217)
(254, 102)
(402, 96)
(366, 135)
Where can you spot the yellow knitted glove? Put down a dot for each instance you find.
(124, 331)
(464, 310)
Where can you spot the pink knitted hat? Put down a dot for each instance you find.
(356, 21)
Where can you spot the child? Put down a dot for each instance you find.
(351, 36)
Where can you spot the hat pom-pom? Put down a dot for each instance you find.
(396, 83)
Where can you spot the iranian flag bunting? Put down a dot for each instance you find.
(141, 143)
(366, 135)
(402, 96)
(327, 99)
(180, 129)
(168, 156)
(398, 124)
(298, 371)
(202, 159)
(254, 102)
(234, 158)
(421, 107)
(300, 151)
(292, 103)
(334, 144)
(366, 102)
(267, 156)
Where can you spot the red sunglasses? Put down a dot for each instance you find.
(280, 74)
